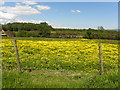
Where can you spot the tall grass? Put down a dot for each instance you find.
(61, 79)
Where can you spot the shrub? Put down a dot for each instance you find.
(22, 33)
(88, 35)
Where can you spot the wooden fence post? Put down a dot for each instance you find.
(100, 56)
(17, 56)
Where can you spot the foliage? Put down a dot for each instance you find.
(100, 28)
(46, 30)
(43, 28)
(89, 34)
(23, 33)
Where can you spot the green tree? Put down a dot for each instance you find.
(100, 28)
(89, 34)
(45, 29)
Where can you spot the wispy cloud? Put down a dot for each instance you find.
(20, 10)
(77, 11)
(28, 21)
(29, 2)
(18, 4)
(42, 7)
(17, 19)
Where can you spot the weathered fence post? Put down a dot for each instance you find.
(17, 56)
(100, 56)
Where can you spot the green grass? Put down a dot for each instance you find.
(110, 80)
(59, 79)
(42, 38)
(63, 39)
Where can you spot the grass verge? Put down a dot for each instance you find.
(59, 79)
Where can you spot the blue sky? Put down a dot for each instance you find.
(64, 0)
(72, 14)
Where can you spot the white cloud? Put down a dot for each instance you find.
(20, 10)
(29, 2)
(75, 11)
(61, 27)
(54, 25)
(7, 15)
(2, 2)
(28, 21)
(42, 7)
(18, 4)
(3, 21)
(7, 20)
(11, 14)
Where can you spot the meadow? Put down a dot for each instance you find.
(80, 56)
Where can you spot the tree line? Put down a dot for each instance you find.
(45, 30)
(23, 29)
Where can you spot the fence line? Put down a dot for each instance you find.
(18, 58)
(100, 56)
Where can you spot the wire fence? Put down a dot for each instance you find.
(21, 56)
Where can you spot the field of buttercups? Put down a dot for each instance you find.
(80, 55)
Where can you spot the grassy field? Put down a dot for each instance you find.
(60, 63)
(59, 79)
(60, 39)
